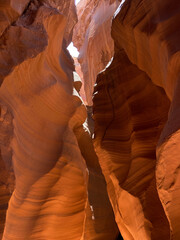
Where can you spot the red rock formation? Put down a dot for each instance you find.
(10, 11)
(51, 184)
(93, 39)
(6, 168)
(79, 76)
(131, 111)
(59, 192)
(15, 47)
(148, 31)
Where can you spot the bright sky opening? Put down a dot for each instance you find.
(76, 2)
(72, 50)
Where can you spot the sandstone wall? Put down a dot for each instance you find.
(48, 162)
(54, 183)
(92, 37)
(136, 113)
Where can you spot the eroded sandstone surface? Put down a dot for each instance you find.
(136, 117)
(92, 37)
(75, 172)
(49, 169)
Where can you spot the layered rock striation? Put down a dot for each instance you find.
(54, 182)
(92, 37)
(130, 113)
(136, 114)
(149, 33)
(48, 162)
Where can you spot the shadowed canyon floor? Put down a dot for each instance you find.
(93, 156)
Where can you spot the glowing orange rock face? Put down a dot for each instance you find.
(136, 113)
(127, 130)
(92, 37)
(51, 182)
(151, 41)
(48, 161)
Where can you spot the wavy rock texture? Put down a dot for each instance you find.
(51, 184)
(130, 112)
(23, 39)
(131, 108)
(48, 162)
(93, 39)
(68, 9)
(148, 31)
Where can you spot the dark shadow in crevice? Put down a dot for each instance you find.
(119, 237)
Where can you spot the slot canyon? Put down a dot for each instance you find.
(90, 143)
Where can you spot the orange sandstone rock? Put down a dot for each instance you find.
(51, 182)
(93, 39)
(136, 110)
(148, 31)
(130, 113)
(59, 191)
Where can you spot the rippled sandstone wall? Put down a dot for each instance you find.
(127, 129)
(49, 168)
(51, 184)
(136, 113)
(92, 37)
(151, 41)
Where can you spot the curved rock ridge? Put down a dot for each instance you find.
(41, 190)
(130, 113)
(148, 31)
(48, 161)
(68, 9)
(23, 39)
(54, 182)
(10, 11)
(99, 222)
(93, 39)
(146, 35)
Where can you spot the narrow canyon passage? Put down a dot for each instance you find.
(89, 140)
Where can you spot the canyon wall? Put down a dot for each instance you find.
(136, 113)
(151, 41)
(55, 181)
(51, 183)
(127, 130)
(92, 37)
